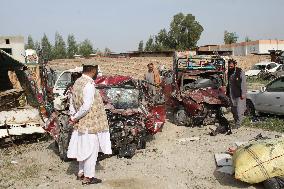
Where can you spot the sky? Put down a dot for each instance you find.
(121, 24)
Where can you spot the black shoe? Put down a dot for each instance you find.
(229, 132)
(91, 181)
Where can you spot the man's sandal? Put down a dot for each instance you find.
(88, 181)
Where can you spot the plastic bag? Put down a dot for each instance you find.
(259, 161)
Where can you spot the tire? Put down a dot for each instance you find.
(181, 118)
(141, 144)
(250, 110)
(64, 137)
(63, 142)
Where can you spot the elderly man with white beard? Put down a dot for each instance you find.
(90, 126)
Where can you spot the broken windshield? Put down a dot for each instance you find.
(122, 98)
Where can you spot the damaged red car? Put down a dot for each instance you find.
(131, 119)
(195, 89)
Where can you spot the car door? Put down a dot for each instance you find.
(272, 99)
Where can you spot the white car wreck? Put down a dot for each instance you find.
(19, 108)
(270, 99)
(262, 66)
(64, 79)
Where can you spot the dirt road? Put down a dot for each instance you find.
(165, 163)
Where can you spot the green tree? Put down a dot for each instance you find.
(46, 48)
(72, 48)
(30, 44)
(37, 47)
(150, 44)
(230, 37)
(59, 50)
(107, 51)
(184, 32)
(141, 46)
(86, 48)
(162, 40)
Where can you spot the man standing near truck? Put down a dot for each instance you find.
(89, 120)
(236, 90)
(153, 78)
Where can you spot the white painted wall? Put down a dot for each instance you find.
(243, 50)
(264, 48)
(17, 45)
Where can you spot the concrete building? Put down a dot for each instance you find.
(246, 48)
(13, 45)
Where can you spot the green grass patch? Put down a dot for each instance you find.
(253, 80)
(271, 123)
(9, 172)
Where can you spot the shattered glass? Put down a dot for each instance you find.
(122, 98)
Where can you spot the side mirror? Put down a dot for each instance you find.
(262, 89)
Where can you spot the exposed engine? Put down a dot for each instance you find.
(128, 133)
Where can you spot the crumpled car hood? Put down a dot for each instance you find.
(208, 95)
(112, 80)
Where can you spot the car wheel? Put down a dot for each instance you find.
(141, 144)
(250, 110)
(181, 118)
(63, 146)
(64, 137)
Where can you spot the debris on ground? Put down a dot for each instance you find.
(223, 160)
(190, 139)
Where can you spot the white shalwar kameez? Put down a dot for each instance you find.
(84, 146)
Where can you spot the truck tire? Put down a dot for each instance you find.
(64, 137)
(250, 110)
(63, 142)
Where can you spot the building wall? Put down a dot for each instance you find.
(267, 45)
(16, 44)
(253, 47)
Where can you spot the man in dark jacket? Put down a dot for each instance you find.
(237, 90)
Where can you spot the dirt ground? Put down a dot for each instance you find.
(165, 163)
(136, 67)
